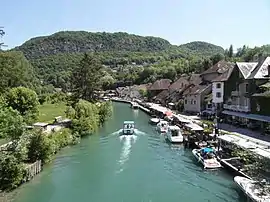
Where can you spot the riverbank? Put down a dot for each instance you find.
(23, 158)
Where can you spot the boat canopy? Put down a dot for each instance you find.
(128, 122)
(207, 150)
(174, 128)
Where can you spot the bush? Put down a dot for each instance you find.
(62, 138)
(11, 172)
(40, 147)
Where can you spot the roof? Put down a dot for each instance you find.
(128, 122)
(161, 84)
(264, 94)
(177, 84)
(225, 75)
(246, 68)
(248, 116)
(197, 89)
(261, 70)
(40, 124)
(162, 95)
(266, 85)
(220, 67)
(195, 79)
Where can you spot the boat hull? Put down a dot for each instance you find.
(246, 185)
(206, 164)
(127, 132)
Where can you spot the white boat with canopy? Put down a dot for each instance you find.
(163, 126)
(174, 134)
(207, 157)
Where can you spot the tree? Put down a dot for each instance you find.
(40, 147)
(85, 117)
(85, 78)
(107, 81)
(15, 71)
(105, 111)
(230, 52)
(11, 123)
(216, 58)
(25, 101)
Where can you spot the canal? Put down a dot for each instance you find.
(102, 168)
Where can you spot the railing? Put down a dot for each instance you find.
(238, 108)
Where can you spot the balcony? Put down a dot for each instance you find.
(235, 93)
(238, 108)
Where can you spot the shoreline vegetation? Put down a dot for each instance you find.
(21, 107)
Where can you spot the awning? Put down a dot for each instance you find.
(194, 127)
(180, 119)
(248, 116)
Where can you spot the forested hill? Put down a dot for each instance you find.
(82, 41)
(201, 48)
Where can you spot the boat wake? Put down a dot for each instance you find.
(128, 141)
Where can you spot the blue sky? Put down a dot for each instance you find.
(222, 22)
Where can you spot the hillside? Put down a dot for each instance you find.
(201, 48)
(53, 57)
(81, 41)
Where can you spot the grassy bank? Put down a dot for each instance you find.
(47, 111)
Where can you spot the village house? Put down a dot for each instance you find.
(245, 94)
(198, 97)
(159, 86)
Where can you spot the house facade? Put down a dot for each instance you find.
(194, 98)
(199, 98)
(243, 98)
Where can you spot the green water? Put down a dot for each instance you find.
(104, 169)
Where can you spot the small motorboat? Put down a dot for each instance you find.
(134, 105)
(207, 157)
(163, 126)
(154, 120)
(128, 128)
(174, 134)
(253, 189)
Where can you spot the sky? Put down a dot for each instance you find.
(221, 22)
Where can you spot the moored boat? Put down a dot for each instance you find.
(154, 120)
(134, 105)
(128, 128)
(174, 134)
(163, 126)
(206, 156)
(256, 191)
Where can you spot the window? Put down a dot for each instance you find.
(194, 102)
(182, 85)
(218, 94)
(218, 85)
(247, 88)
(185, 101)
